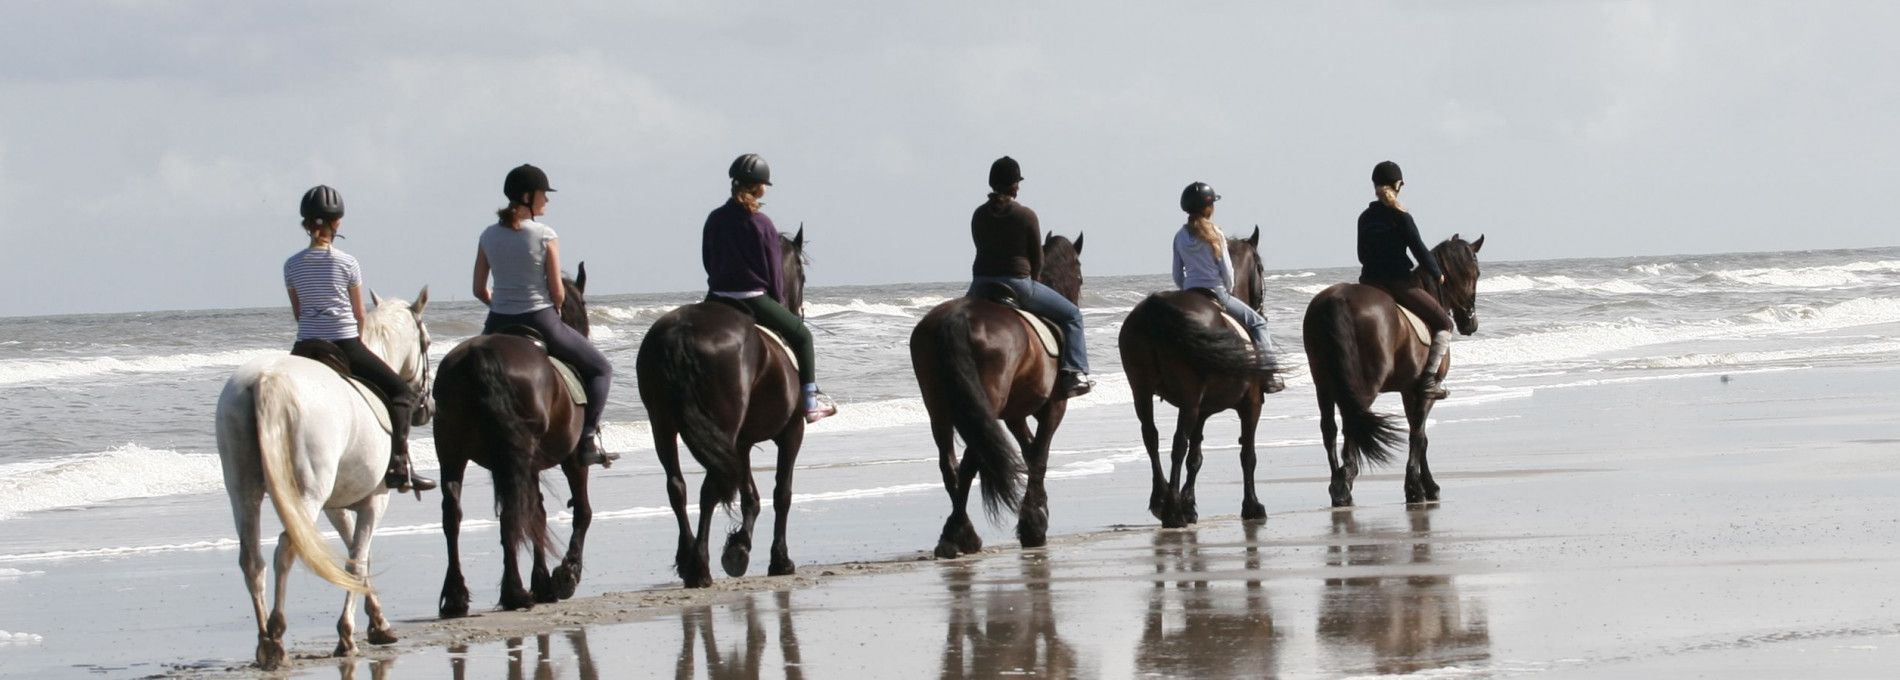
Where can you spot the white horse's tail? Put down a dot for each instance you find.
(275, 423)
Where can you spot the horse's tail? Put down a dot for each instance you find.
(276, 429)
(1369, 435)
(999, 465)
(512, 445)
(1210, 350)
(682, 369)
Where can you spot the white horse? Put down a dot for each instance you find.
(288, 426)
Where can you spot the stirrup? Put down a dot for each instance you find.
(1431, 388)
(826, 408)
(592, 453)
(405, 483)
(1071, 384)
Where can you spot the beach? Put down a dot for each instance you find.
(1655, 466)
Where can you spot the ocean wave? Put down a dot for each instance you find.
(23, 371)
(18, 638)
(1514, 283)
(1601, 337)
(857, 306)
(9, 574)
(129, 471)
(1813, 277)
(1768, 356)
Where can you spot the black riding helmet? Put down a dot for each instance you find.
(1387, 174)
(750, 169)
(1197, 196)
(523, 180)
(1004, 172)
(321, 203)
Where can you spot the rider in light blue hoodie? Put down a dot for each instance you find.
(1200, 261)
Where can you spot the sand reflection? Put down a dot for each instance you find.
(1201, 628)
(1007, 628)
(745, 661)
(1400, 613)
(539, 662)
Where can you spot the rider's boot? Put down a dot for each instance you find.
(1270, 381)
(818, 405)
(1428, 384)
(1071, 383)
(400, 477)
(591, 452)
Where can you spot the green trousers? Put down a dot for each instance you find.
(770, 314)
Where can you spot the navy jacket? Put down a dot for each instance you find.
(741, 251)
(1385, 233)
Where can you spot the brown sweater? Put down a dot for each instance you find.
(1008, 240)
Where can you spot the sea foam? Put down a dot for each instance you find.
(24, 371)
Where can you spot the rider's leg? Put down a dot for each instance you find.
(770, 314)
(1046, 302)
(596, 374)
(402, 403)
(1435, 318)
(1256, 326)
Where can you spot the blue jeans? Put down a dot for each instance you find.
(1255, 323)
(1044, 301)
(568, 345)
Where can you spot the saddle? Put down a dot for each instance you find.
(569, 378)
(771, 336)
(1043, 329)
(1420, 334)
(1233, 324)
(327, 353)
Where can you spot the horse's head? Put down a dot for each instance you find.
(1250, 277)
(574, 303)
(395, 332)
(1459, 259)
(792, 261)
(1062, 266)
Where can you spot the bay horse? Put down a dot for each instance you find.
(1358, 346)
(289, 427)
(977, 363)
(1176, 345)
(501, 405)
(707, 376)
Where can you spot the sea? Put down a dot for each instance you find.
(108, 462)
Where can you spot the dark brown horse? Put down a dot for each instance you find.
(1176, 345)
(501, 405)
(977, 362)
(707, 376)
(1357, 346)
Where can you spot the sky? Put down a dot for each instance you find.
(152, 153)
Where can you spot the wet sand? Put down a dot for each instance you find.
(1676, 529)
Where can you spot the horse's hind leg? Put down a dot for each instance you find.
(567, 577)
(686, 560)
(789, 442)
(1419, 487)
(737, 555)
(346, 623)
(281, 565)
(1032, 522)
(1184, 423)
(1338, 488)
(540, 583)
(1250, 507)
(1151, 439)
(453, 602)
(959, 535)
(1190, 508)
(246, 504)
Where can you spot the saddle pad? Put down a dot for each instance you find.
(569, 378)
(375, 400)
(774, 337)
(1419, 332)
(1238, 329)
(1043, 331)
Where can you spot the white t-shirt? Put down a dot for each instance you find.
(517, 260)
(323, 278)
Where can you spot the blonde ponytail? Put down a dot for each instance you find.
(1204, 229)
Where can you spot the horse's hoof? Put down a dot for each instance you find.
(270, 654)
(1431, 494)
(1253, 512)
(700, 581)
(946, 550)
(1031, 537)
(1342, 502)
(735, 560)
(567, 578)
(517, 601)
(382, 636)
(344, 648)
(1173, 522)
(968, 542)
(452, 611)
(781, 566)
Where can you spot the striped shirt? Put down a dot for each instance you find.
(322, 279)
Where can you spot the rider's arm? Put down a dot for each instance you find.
(557, 293)
(1180, 279)
(1419, 252)
(481, 275)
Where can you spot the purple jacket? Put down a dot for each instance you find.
(741, 251)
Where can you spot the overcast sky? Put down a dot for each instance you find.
(152, 153)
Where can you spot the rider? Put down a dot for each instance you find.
(1386, 231)
(1009, 252)
(741, 251)
(326, 297)
(1200, 261)
(524, 256)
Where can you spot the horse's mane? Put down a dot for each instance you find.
(1449, 257)
(380, 323)
(804, 257)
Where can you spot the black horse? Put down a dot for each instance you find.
(708, 376)
(977, 362)
(500, 404)
(1177, 345)
(1357, 346)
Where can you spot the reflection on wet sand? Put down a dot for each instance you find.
(544, 662)
(1007, 629)
(1408, 621)
(378, 668)
(1200, 630)
(736, 663)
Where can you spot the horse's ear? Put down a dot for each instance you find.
(1478, 244)
(1454, 236)
(1078, 242)
(1254, 240)
(798, 239)
(374, 299)
(580, 278)
(1046, 238)
(422, 300)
